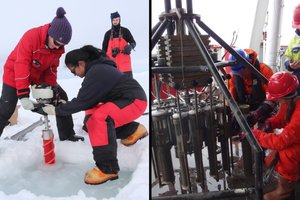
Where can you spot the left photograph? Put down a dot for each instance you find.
(74, 110)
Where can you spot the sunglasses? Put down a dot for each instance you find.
(57, 43)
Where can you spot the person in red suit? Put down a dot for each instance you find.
(34, 61)
(118, 43)
(282, 88)
(111, 101)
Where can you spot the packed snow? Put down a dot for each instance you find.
(25, 176)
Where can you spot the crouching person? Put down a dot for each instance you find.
(112, 102)
(282, 88)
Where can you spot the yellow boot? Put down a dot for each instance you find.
(283, 191)
(140, 133)
(95, 176)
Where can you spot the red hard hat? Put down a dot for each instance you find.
(281, 84)
(296, 17)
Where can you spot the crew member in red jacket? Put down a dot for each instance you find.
(112, 102)
(118, 43)
(282, 88)
(247, 88)
(34, 61)
(244, 86)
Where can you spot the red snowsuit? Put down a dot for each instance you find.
(287, 143)
(122, 60)
(31, 62)
(111, 101)
(117, 38)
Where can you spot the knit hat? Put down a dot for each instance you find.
(60, 28)
(114, 15)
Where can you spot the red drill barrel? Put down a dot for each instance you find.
(48, 145)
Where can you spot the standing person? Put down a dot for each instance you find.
(282, 88)
(34, 61)
(246, 88)
(112, 101)
(292, 53)
(118, 43)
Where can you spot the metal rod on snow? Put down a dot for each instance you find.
(21, 134)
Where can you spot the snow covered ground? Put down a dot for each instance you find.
(24, 176)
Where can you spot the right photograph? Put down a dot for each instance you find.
(225, 103)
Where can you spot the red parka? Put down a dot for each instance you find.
(264, 70)
(122, 60)
(32, 62)
(287, 143)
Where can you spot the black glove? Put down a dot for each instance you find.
(235, 127)
(267, 127)
(251, 118)
(265, 110)
(114, 52)
(127, 49)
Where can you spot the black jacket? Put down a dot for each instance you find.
(102, 83)
(125, 34)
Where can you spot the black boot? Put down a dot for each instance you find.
(74, 138)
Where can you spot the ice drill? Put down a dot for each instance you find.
(44, 95)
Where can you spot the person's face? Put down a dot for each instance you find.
(245, 73)
(78, 70)
(115, 21)
(52, 44)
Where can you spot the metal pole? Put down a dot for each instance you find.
(209, 195)
(232, 103)
(167, 6)
(189, 6)
(155, 37)
(231, 50)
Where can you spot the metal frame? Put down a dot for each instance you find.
(182, 18)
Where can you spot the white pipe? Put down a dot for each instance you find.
(273, 33)
(258, 24)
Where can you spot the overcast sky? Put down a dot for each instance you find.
(90, 19)
(225, 17)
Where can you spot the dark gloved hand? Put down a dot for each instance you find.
(235, 126)
(114, 52)
(267, 127)
(127, 49)
(252, 118)
(265, 110)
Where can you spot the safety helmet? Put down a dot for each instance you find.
(281, 84)
(235, 69)
(296, 17)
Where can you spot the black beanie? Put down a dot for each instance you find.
(60, 28)
(114, 15)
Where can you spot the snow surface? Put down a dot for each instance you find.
(24, 176)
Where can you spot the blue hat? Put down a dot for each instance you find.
(60, 28)
(236, 69)
(114, 15)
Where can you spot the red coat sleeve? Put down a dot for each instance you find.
(22, 65)
(289, 135)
